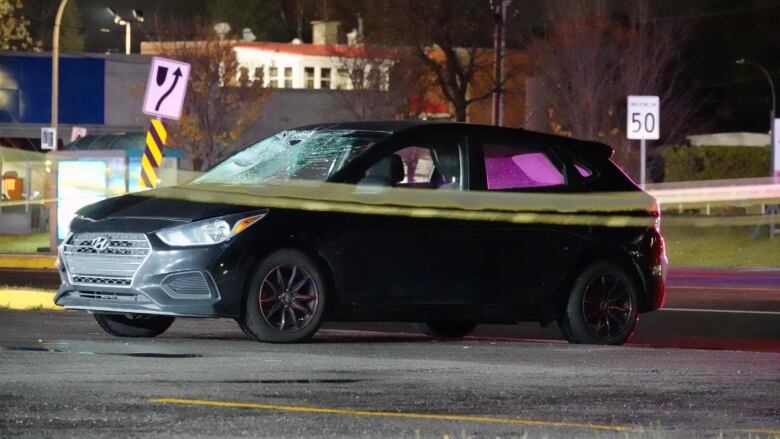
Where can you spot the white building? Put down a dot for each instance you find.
(324, 64)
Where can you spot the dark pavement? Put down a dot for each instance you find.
(62, 376)
(705, 308)
(708, 365)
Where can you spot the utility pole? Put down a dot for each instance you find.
(55, 66)
(772, 211)
(55, 94)
(499, 46)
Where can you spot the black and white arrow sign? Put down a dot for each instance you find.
(166, 88)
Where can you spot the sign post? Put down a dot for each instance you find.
(165, 91)
(776, 148)
(643, 121)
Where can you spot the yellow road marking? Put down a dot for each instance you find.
(24, 299)
(371, 413)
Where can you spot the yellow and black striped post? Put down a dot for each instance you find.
(156, 138)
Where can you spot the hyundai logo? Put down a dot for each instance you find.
(101, 243)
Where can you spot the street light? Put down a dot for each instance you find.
(138, 17)
(772, 210)
(772, 112)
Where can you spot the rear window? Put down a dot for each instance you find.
(515, 167)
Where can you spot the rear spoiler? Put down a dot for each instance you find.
(600, 150)
(583, 148)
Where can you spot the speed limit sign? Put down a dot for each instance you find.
(643, 117)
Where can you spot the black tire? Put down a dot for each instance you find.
(446, 329)
(134, 325)
(286, 298)
(244, 328)
(602, 307)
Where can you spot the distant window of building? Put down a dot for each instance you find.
(288, 77)
(343, 79)
(308, 76)
(258, 75)
(325, 78)
(243, 77)
(273, 77)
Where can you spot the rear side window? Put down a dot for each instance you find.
(518, 167)
(582, 170)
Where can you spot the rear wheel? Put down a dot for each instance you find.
(446, 329)
(286, 300)
(602, 306)
(134, 325)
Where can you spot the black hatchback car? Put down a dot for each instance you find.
(280, 269)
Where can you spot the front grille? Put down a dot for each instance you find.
(113, 281)
(124, 297)
(112, 264)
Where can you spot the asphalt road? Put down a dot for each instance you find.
(61, 376)
(707, 366)
(708, 309)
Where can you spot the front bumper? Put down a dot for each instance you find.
(193, 282)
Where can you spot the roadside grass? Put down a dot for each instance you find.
(720, 247)
(23, 243)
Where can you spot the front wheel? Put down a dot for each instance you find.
(602, 306)
(286, 300)
(446, 329)
(134, 325)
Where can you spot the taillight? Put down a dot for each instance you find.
(657, 247)
(659, 266)
(655, 212)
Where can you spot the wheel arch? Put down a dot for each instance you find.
(618, 256)
(303, 247)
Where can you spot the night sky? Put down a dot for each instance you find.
(734, 98)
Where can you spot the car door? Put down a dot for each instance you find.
(414, 264)
(525, 263)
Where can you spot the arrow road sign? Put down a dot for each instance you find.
(166, 88)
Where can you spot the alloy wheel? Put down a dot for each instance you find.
(607, 306)
(288, 298)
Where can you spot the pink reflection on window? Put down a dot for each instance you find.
(584, 172)
(518, 168)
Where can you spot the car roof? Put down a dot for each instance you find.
(583, 147)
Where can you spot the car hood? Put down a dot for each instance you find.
(164, 203)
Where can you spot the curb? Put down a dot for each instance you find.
(28, 261)
(27, 299)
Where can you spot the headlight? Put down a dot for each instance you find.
(206, 232)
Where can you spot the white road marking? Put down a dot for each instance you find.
(723, 311)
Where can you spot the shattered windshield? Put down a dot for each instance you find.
(292, 155)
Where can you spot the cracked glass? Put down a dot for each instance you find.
(292, 155)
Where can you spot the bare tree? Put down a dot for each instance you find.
(221, 104)
(589, 61)
(451, 38)
(377, 82)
